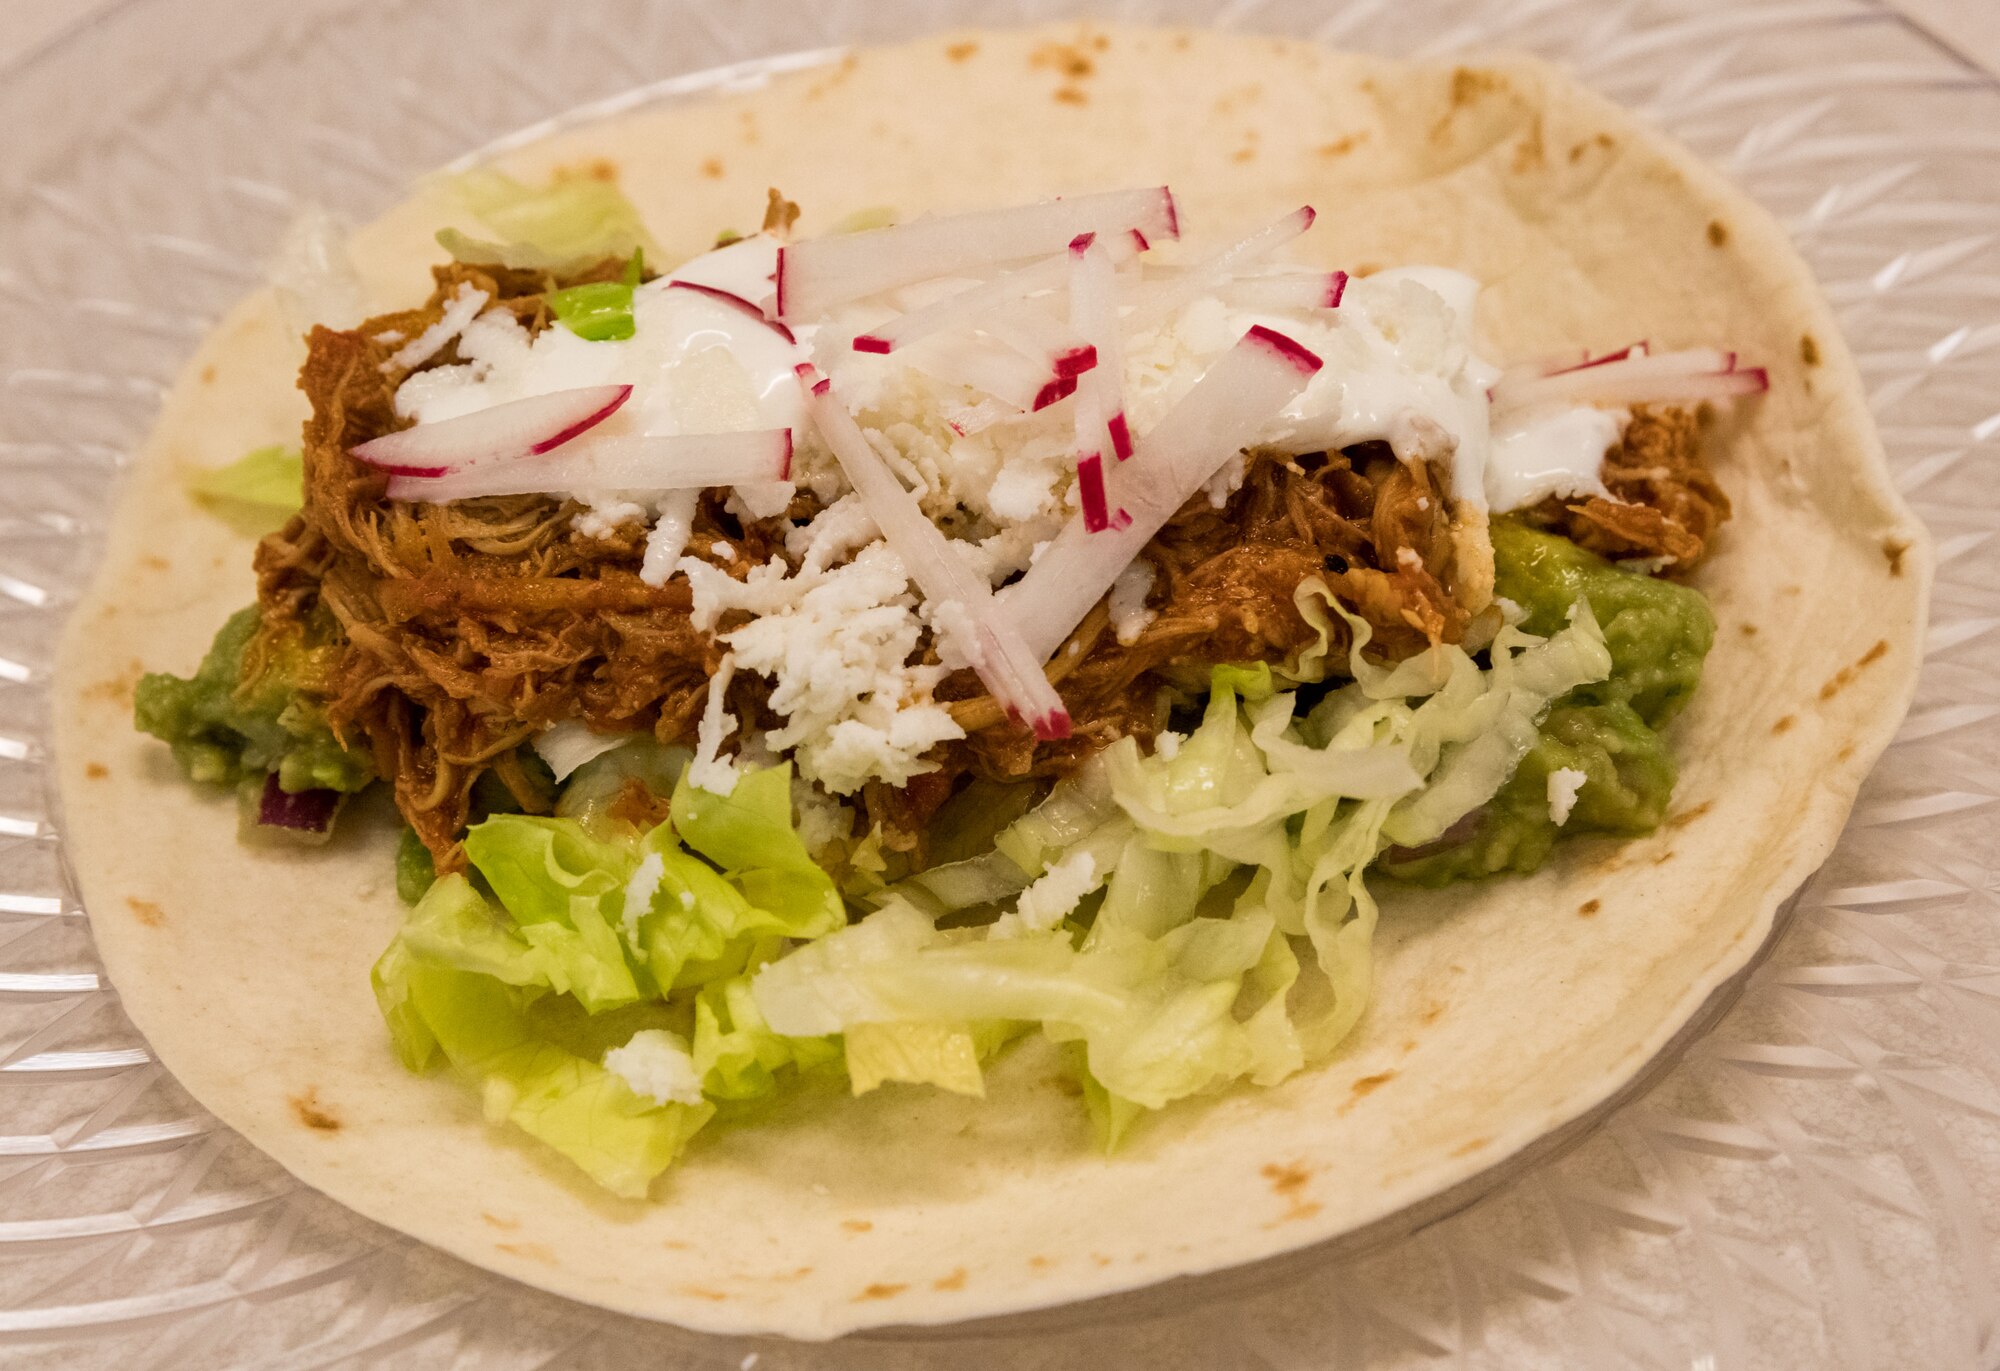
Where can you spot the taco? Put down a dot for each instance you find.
(1187, 642)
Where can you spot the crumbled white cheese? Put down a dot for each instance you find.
(1167, 744)
(837, 646)
(465, 304)
(657, 1065)
(1227, 480)
(722, 551)
(606, 516)
(953, 633)
(668, 538)
(710, 770)
(833, 535)
(639, 892)
(1564, 783)
(1129, 615)
(1057, 891)
(820, 819)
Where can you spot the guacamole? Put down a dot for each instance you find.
(1658, 634)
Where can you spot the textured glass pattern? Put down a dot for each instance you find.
(1816, 1183)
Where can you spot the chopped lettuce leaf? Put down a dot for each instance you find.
(737, 1052)
(749, 833)
(599, 311)
(257, 492)
(254, 706)
(569, 224)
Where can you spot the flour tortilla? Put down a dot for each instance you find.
(1502, 1010)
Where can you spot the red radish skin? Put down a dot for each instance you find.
(1090, 492)
(695, 461)
(1121, 436)
(737, 302)
(1299, 356)
(519, 428)
(1076, 361)
(1061, 388)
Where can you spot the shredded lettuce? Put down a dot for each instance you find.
(257, 492)
(572, 223)
(1177, 921)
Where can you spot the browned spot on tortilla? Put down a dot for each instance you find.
(881, 1290)
(856, 1225)
(504, 1225)
(1688, 816)
(97, 771)
(711, 167)
(1893, 549)
(146, 912)
(1747, 630)
(1664, 857)
(1181, 42)
(1299, 1210)
(1589, 907)
(1718, 233)
(312, 1113)
(1472, 1146)
(1528, 153)
(590, 169)
(1844, 677)
(1040, 1263)
(1367, 1085)
(1243, 155)
(1844, 753)
(955, 1281)
(118, 690)
(1808, 350)
(1100, 1259)
(1070, 95)
(1432, 1011)
(1067, 1085)
(208, 374)
(958, 52)
(1287, 1180)
(702, 1292)
(1070, 60)
(533, 1251)
(1340, 147)
(676, 1245)
(1783, 725)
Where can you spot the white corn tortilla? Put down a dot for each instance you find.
(1502, 1009)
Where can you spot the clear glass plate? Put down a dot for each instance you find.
(1815, 1183)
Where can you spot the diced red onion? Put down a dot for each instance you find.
(1002, 660)
(519, 428)
(301, 811)
(1239, 394)
(736, 302)
(819, 273)
(692, 461)
(1159, 300)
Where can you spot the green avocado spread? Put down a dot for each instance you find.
(1658, 634)
(244, 714)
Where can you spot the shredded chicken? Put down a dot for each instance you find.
(1665, 503)
(467, 628)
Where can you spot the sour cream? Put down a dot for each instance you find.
(696, 364)
(1540, 453)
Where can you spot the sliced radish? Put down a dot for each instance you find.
(519, 428)
(1031, 331)
(1288, 290)
(693, 461)
(1009, 671)
(966, 308)
(1693, 374)
(1559, 363)
(1090, 492)
(1158, 300)
(736, 302)
(987, 365)
(819, 273)
(1239, 394)
(1093, 316)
